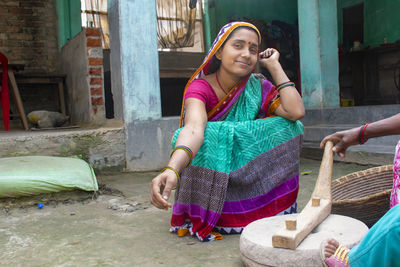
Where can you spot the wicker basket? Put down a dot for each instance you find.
(364, 195)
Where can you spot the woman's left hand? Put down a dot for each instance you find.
(268, 57)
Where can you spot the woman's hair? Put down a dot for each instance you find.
(215, 62)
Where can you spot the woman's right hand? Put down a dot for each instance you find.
(160, 189)
(342, 140)
(191, 136)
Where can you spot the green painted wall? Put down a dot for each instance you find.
(318, 53)
(69, 20)
(219, 11)
(381, 19)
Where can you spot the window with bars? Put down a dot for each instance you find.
(180, 25)
(94, 14)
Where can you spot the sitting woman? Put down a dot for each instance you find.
(243, 137)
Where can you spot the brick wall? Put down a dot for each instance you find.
(95, 66)
(28, 33)
(81, 59)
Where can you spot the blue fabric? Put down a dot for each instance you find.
(381, 245)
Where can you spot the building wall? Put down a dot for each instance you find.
(82, 61)
(381, 20)
(28, 33)
(221, 11)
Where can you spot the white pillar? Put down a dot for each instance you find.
(135, 78)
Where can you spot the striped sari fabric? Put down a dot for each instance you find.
(246, 169)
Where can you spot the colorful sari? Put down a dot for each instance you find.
(395, 196)
(248, 165)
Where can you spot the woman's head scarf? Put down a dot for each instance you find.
(222, 36)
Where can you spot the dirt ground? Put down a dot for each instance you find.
(117, 227)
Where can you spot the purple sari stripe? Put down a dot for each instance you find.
(247, 205)
(196, 211)
(267, 86)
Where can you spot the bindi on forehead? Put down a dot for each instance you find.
(245, 41)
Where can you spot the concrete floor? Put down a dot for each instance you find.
(73, 229)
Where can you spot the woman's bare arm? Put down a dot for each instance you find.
(291, 107)
(191, 136)
(344, 139)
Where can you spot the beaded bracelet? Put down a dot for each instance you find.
(282, 84)
(177, 174)
(361, 134)
(187, 150)
(280, 87)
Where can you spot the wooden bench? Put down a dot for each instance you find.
(45, 78)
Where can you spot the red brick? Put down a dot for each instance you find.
(13, 43)
(93, 61)
(3, 12)
(11, 3)
(20, 11)
(18, 50)
(37, 44)
(20, 23)
(97, 101)
(39, 4)
(95, 71)
(10, 29)
(96, 91)
(36, 18)
(93, 32)
(93, 42)
(20, 36)
(96, 81)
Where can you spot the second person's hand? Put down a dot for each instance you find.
(342, 140)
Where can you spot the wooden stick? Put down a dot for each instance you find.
(61, 97)
(18, 100)
(311, 215)
(291, 224)
(315, 201)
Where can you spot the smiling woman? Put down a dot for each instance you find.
(236, 158)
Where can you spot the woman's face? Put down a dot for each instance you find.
(240, 53)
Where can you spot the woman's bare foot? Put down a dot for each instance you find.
(330, 248)
(334, 255)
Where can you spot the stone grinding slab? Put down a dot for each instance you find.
(256, 241)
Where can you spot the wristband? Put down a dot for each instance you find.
(187, 150)
(287, 84)
(361, 138)
(177, 174)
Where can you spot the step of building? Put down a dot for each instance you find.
(377, 151)
(103, 147)
(315, 133)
